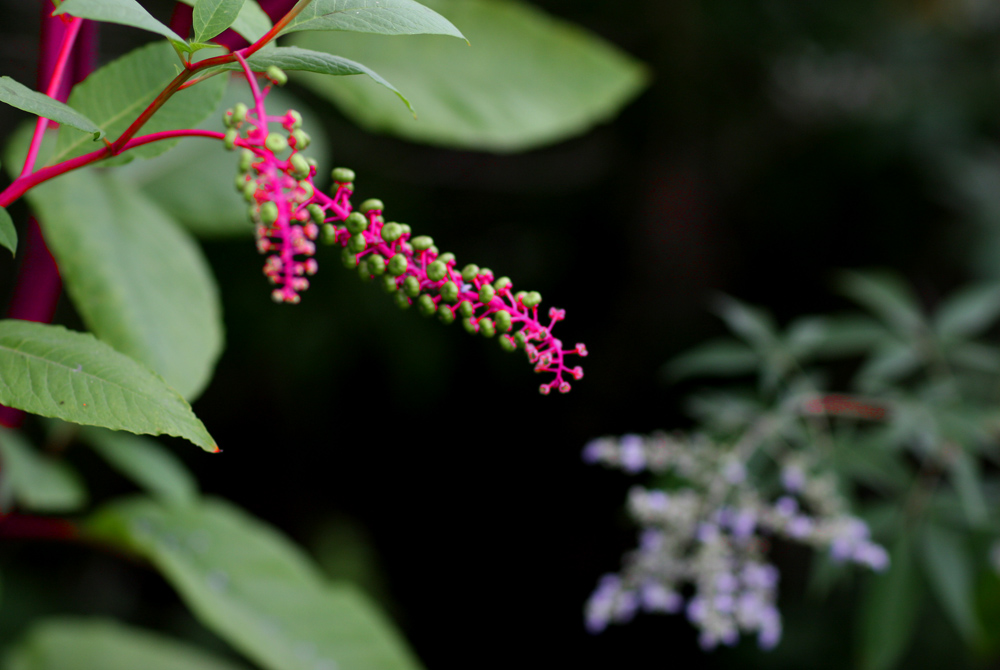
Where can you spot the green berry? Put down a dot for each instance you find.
(249, 191)
(246, 160)
(392, 232)
(406, 229)
(422, 242)
(507, 343)
(502, 319)
(302, 139)
(449, 291)
(436, 271)
(269, 213)
(520, 338)
(434, 250)
(230, 138)
(468, 325)
(469, 272)
(402, 301)
(486, 294)
(296, 119)
(465, 307)
(502, 283)
(411, 286)
(342, 175)
(253, 212)
(330, 234)
(349, 259)
(531, 299)
(357, 243)
(371, 203)
(276, 143)
(316, 213)
(356, 222)
(487, 328)
(376, 263)
(240, 183)
(398, 265)
(447, 257)
(300, 168)
(364, 271)
(389, 283)
(446, 314)
(277, 75)
(487, 273)
(307, 191)
(426, 305)
(240, 112)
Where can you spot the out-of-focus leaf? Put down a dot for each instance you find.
(849, 335)
(383, 17)
(966, 478)
(125, 12)
(38, 483)
(20, 96)
(887, 297)
(968, 313)
(527, 80)
(974, 356)
(98, 644)
(146, 462)
(865, 459)
(889, 609)
(252, 587)
(949, 571)
(752, 324)
(722, 358)
(805, 335)
(8, 234)
(886, 366)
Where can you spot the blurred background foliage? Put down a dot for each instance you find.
(777, 142)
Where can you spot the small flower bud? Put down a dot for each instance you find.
(389, 283)
(294, 119)
(230, 139)
(240, 112)
(469, 272)
(502, 283)
(436, 271)
(507, 343)
(349, 259)
(486, 294)
(426, 305)
(392, 232)
(302, 139)
(330, 234)
(532, 299)
(370, 204)
(465, 308)
(246, 160)
(356, 222)
(316, 213)
(269, 213)
(277, 75)
(411, 286)
(422, 242)
(398, 265)
(401, 300)
(502, 318)
(300, 168)
(446, 314)
(447, 257)
(357, 243)
(469, 326)
(364, 271)
(276, 143)
(342, 175)
(448, 290)
(376, 263)
(487, 328)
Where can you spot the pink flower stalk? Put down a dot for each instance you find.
(289, 213)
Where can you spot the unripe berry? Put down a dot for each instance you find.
(502, 319)
(246, 160)
(330, 234)
(469, 272)
(449, 291)
(316, 213)
(230, 139)
(486, 273)
(446, 314)
(426, 305)
(447, 257)
(486, 327)
(392, 232)
(357, 243)
(356, 222)
(249, 191)
(364, 271)
(406, 229)
(240, 182)
(277, 75)
(349, 259)
(307, 191)
(269, 213)
(411, 286)
(402, 301)
(398, 265)
(300, 168)
(240, 112)
(302, 139)
(465, 307)
(520, 338)
(532, 299)
(389, 283)
(502, 283)
(436, 271)
(486, 294)
(276, 143)
(342, 175)
(376, 263)
(468, 325)
(507, 343)
(371, 203)
(433, 250)
(296, 119)
(422, 242)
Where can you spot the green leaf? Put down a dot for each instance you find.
(97, 644)
(140, 283)
(887, 297)
(8, 234)
(59, 373)
(125, 12)
(147, 463)
(752, 324)
(383, 17)
(849, 335)
(886, 366)
(211, 17)
(252, 587)
(966, 477)
(889, 609)
(117, 93)
(949, 572)
(528, 79)
(719, 358)
(251, 23)
(20, 96)
(36, 482)
(968, 313)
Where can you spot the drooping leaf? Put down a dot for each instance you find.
(147, 463)
(251, 23)
(8, 234)
(98, 644)
(18, 95)
(117, 93)
(253, 588)
(140, 283)
(383, 17)
(125, 12)
(50, 371)
(722, 357)
(889, 609)
(211, 17)
(527, 80)
(949, 571)
(968, 313)
(887, 297)
(38, 483)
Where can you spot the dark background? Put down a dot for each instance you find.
(779, 141)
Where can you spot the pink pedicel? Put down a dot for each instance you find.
(289, 214)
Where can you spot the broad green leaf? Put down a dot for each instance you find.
(722, 357)
(251, 23)
(98, 644)
(8, 234)
(211, 17)
(18, 95)
(527, 80)
(889, 609)
(752, 324)
(37, 483)
(968, 313)
(140, 283)
(949, 572)
(887, 297)
(194, 182)
(253, 588)
(384, 17)
(116, 94)
(50, 371)
(146, 462)
(297, 59)
(125, 12)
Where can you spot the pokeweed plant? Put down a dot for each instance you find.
(141, 286)
(897, 474)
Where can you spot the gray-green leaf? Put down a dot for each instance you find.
(36, 482)
(968, 313)
(147, 463)
(890, 609)
(54, 372)
(90, 644)
(527, 80)
(950, 574)
(125, 12)
(18, 95)
(887, 297)
(8, 234)
(211, 17)
(253, 588)
(140, 282)
(251, 23)
(722, 357)
(383, 17)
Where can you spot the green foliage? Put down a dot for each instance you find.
(890, 609)
(251, 23)
(18, 95)
(211, 17)
(527, 80)
(125, 12)
(385, 17)
(8, 234)
(35, 482)
(146, 462)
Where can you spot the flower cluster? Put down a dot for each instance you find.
(712, 533)
(289, 214)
